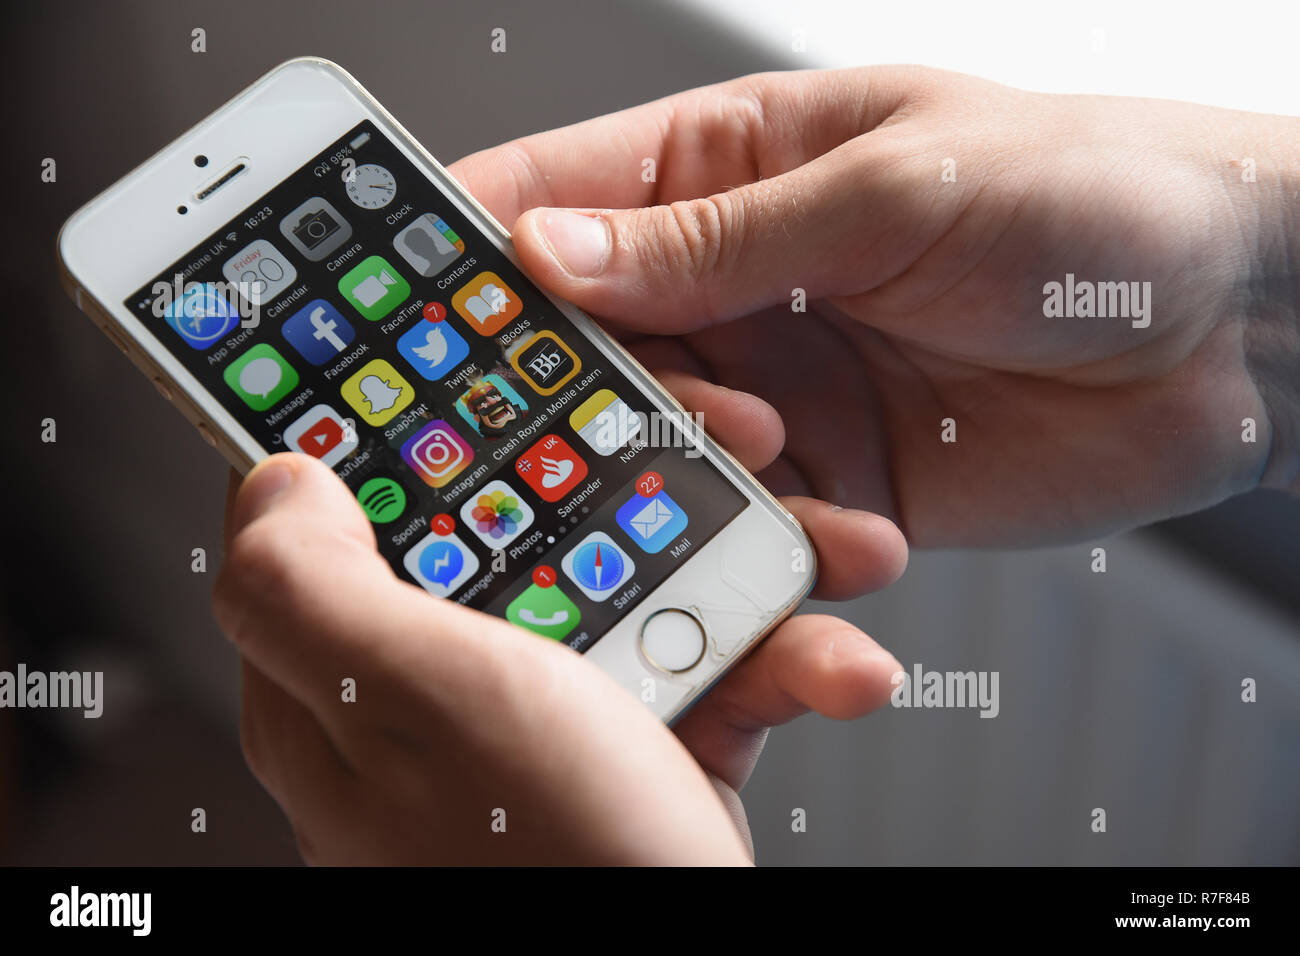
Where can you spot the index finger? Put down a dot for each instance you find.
(688, 145)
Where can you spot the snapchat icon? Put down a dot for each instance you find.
(377, 392)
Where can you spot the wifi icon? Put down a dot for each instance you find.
(232, 236)
(382, 499)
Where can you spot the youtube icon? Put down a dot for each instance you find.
(320, 438)
(322, 433)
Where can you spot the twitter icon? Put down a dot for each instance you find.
(433, 348)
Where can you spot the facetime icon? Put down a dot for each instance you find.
(374, 288)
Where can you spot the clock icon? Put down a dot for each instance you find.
(371, 186)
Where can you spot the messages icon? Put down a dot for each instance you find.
(261, 377)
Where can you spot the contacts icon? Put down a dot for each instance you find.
(429, 245)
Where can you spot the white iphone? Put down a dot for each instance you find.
(298, 273)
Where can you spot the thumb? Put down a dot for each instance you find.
(308, 600)
(693, 263)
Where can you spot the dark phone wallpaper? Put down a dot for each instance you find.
(374, 296)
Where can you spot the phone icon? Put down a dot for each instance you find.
(318, 332)
(652, 523)
(429, 245)
(440, 563)
(545, 362)
(322, 433)
(261, 377)
(436, 453)
(377, 392)
(551, 467)
(487, 303)
(529, 616)
(545, 611)
(598, 566)
(374, 288)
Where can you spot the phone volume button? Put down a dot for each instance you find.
(163, 390)
(115, 337)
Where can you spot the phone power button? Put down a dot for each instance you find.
(672, 639)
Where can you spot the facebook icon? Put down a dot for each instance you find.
(318, 331)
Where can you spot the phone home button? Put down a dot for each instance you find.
(672, 639)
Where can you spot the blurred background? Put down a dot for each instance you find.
(1118, 690)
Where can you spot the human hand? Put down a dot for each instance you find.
(927, 296)
(459, 716)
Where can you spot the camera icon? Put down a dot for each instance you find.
(437, 454)
(315, 228)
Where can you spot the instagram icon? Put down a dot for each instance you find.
(436, 453)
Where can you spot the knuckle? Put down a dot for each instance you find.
(694, 238)
(530, 184)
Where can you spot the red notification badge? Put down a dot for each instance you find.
(650, 484)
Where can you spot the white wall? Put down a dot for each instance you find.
(1237, 55)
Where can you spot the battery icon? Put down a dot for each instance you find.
(359, 141)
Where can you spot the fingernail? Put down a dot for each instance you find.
(580, 244)
(861, 648)
(840, 509)
(260, 489)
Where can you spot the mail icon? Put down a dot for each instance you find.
(652, 523)
(650, 519)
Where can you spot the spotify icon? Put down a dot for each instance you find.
(382, 499)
